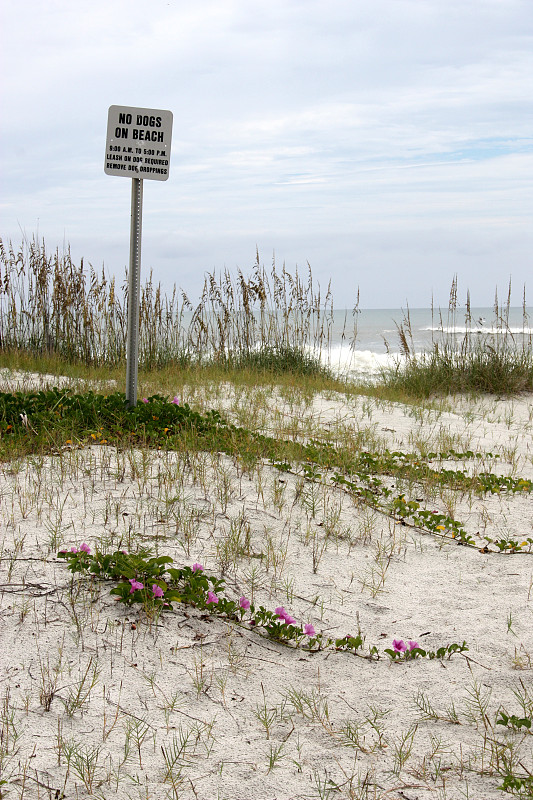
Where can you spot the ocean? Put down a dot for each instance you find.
(361, 346)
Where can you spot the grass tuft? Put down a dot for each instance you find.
(466, 356)
(480, 368)
(280, 360)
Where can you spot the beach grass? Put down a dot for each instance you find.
(269, 325)
(497, 361)
(271, 320)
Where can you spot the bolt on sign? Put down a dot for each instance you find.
(138, 143)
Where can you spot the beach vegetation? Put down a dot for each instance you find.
(239, 558)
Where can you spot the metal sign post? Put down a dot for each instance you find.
(134, 281)
(137, 147)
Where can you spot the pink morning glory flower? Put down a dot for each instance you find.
(280, 611)
(157, 590)
(244, 603)
(398, 645)
(176, 400)
(145, 399)
(84, 548)
(412, 645)
(73, 549)
(309, 630)
(135, 585)
(212, 598)
(290, 620)
(197, 568)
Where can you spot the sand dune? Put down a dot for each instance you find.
(102, 701)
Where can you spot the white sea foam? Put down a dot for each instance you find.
(482, 330)
(359, 364)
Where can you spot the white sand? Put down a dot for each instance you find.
(193, 677)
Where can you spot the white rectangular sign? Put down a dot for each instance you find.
(138, 143)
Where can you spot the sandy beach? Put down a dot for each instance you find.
(99, 700)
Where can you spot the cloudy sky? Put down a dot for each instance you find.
(387, 143)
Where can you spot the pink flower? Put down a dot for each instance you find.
(73, 549)
(398, 645)
(176, 400)
(212, 598)
(309, 630)
(284, 615)
(412, 645)
(135, 585)
(145, 399)
(197, 568)
(84, 548)
(157, 590)
(244, 603)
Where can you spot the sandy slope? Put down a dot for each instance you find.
(193, 686)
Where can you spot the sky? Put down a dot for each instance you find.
(389, 144)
